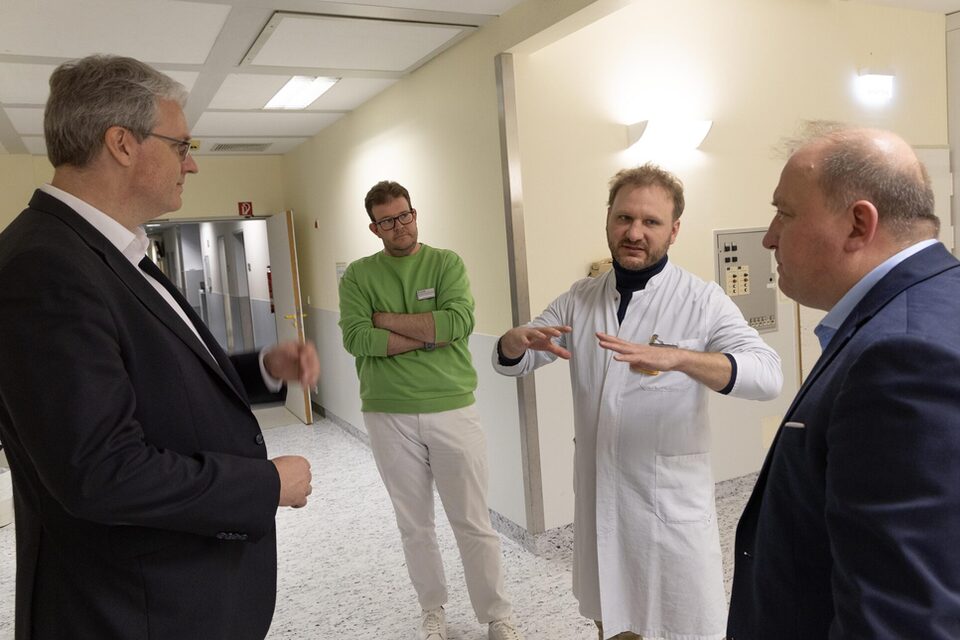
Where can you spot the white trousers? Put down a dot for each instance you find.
(412, 452)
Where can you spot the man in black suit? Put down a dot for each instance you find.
(144, 498)
(853, 528)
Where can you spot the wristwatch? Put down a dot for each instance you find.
(429, 346)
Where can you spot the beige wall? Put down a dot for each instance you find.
(436, 132)
(19, 176)
(772, 65)
(213, 192)
(224, 181)
(758, 68)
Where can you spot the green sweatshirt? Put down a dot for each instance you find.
(419, 381)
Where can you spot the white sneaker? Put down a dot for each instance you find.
(433, 625)
(503, 630)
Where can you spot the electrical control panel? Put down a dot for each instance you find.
(745, 273)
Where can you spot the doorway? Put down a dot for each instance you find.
(221, 267)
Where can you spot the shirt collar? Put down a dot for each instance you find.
(838, 314)
(133, 245)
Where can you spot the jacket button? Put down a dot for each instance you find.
(259, 438)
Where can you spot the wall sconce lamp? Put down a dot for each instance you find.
(874, 88)
(668, 135)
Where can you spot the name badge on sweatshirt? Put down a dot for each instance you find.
(426, 294)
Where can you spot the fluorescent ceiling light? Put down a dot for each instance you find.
(668, 134)
(300, 92)
(874, 88)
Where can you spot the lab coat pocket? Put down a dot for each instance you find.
(684, 488)
(673, 380)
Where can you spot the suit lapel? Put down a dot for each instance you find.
(144, 292)
(921, 266)
(213, 347)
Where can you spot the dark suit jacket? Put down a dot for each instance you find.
(144, 500)
(853, 528)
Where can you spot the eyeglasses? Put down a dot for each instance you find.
(183, 146)
(389, 223)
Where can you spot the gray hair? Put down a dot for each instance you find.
(92, 94)
(853, 167)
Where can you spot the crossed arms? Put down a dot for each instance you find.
(377, 320)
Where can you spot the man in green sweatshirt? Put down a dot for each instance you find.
(406, 314)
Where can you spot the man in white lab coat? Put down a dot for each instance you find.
(646, 341)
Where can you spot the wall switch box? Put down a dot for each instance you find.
(744, 270)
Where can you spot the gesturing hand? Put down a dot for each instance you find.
(642, 358)
(515, 342)
(294, 361)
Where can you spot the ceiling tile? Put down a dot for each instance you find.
(226, 123)
(483, 7)
(350, 43)
(253, 91)
(24, 83)
(30, 83)
(26, 120)
(350, 93)
(186, 78)
(35, 145)
(206, 46)
(247, 91)
(157, 32)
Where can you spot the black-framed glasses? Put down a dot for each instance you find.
(182, 146)
(403, 218)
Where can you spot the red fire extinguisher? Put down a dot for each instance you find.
(270, 287)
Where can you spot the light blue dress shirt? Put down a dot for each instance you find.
(832, 321)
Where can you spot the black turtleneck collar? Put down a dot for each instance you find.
(628, 280)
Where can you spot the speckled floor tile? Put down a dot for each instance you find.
(342, 574)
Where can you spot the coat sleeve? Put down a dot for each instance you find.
(759, 375)
(70, 405)
(893, 493)
(556, 314)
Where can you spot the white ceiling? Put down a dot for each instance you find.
(232, 55)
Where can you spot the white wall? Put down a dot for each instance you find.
(758, 68)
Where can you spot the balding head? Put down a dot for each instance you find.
(877, 166)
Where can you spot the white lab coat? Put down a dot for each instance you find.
(646, 540)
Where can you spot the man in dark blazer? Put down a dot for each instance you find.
(853, 528)
(144, 499)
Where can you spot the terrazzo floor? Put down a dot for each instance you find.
(341, 571)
